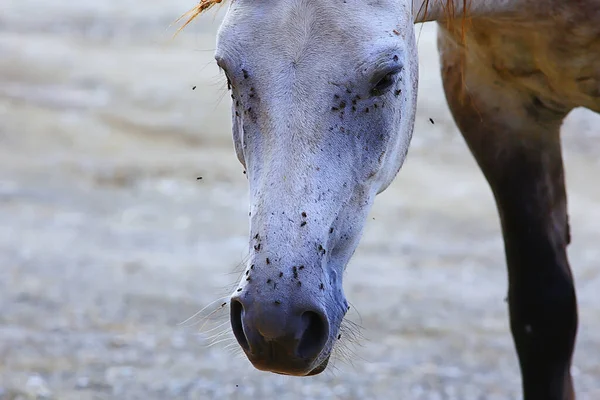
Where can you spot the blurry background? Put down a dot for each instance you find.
(108, 241)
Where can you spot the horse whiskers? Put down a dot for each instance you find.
(222, 299)
(217, 327)
(355, 310)
(237, 354)
(220, 341)
(226, 340)
(348, 347)
(343, 349)
(332, 367)
(234, 350)
(352, 331)
(239, 268)
(341, 355)
(206, 319)
(231, 346)
(345, 354)
(217, 335)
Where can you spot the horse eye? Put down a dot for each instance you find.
(384, 83)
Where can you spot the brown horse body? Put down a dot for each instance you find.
(510, 81)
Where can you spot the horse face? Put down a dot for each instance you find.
(324, 97)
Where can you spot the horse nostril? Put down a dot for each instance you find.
(237, 327)
(314, 336)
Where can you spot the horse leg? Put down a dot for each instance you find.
(515, 139)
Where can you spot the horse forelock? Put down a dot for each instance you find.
(198, 9)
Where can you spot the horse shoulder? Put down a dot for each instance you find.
(553, 55)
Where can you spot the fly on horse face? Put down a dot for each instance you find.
(324, 96)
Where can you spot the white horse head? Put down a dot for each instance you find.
(324, 96)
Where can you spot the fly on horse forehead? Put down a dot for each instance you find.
(323, 111)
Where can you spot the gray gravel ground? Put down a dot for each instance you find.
(108, 242)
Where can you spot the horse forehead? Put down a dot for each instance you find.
(330, 22)
(350, 10)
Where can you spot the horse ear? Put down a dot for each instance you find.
(202, 6)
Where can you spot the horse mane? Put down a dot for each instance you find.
(448, 6)
(198, 9)
(449, 14)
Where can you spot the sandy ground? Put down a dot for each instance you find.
(108, 241)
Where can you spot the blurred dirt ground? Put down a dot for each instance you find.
(108, 241)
